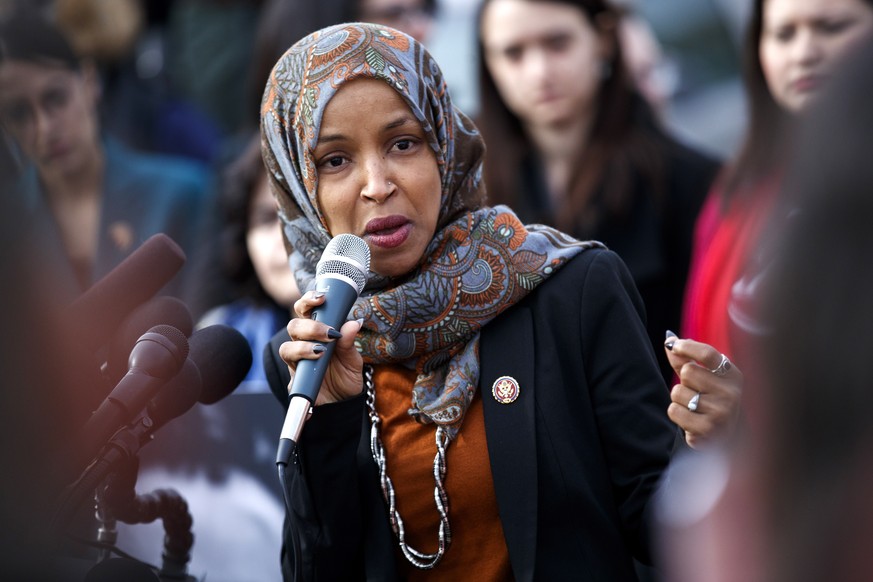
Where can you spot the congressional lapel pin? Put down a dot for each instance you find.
(505, 389)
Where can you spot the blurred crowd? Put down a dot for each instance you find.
(126, 118)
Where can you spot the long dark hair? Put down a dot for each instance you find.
(764, 143)
(239, 179)
(624, 139)
(27, 34)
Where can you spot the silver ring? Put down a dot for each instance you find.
(694, 402)
(723, 366)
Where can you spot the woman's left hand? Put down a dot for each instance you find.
(706, 401)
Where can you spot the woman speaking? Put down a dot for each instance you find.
(493, 401)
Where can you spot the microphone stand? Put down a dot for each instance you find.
(118, 466)
(120, 499)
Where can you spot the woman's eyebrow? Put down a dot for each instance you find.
(330, 137)
(404, 119)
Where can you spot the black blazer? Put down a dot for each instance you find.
(654, 236)
(589, 431)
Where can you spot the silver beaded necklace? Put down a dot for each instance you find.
(418, 559)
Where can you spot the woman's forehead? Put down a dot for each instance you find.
(364, 98)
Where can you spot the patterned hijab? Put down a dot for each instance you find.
(481, 260)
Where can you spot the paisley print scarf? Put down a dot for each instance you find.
(481, 260)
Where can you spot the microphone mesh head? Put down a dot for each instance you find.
(347, 255)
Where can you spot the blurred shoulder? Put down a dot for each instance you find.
(684, 157)
(159, 170)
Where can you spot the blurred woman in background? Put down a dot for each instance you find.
(572, 143)
(253, 261)
(792, 48)
(90, 200)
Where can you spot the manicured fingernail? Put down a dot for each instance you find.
(318, 348)
(317, 294)
(670, 334)
(334, 334)
(360, 322)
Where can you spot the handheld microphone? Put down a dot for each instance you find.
(341, 275)
(96, 313)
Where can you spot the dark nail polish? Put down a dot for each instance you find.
(334, 334)
(318, 348)
(669, 345)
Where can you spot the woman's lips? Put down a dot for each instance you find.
(388, 232)
(809, 83)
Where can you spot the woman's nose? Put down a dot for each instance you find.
(807, 48)
(536, 66)
(377, 186)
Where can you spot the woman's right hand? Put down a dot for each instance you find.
(343, 378)
(714, 384)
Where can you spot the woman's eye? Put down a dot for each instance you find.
(513, 54)
(558, 43)
(784, 34)
(16, 114)
(834, 26)
(56, 99)
(404, 145)
(333, 162)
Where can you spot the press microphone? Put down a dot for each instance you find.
(223, 356)
(98, 312)
(156, 357)
(161, 310)
(173, 399)
(341, 275)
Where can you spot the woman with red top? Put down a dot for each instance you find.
(793, 46)
(792, 49)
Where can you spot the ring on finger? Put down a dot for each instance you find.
(694, 402)
(723, 366)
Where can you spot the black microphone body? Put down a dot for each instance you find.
(160, 310)
(171, 401)
(341, 276)
(158, 356)
(97, 313)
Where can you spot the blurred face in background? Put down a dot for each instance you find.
(803, 40)
(546, 59)
(409, 16)
(266, 247)
(51, 112)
